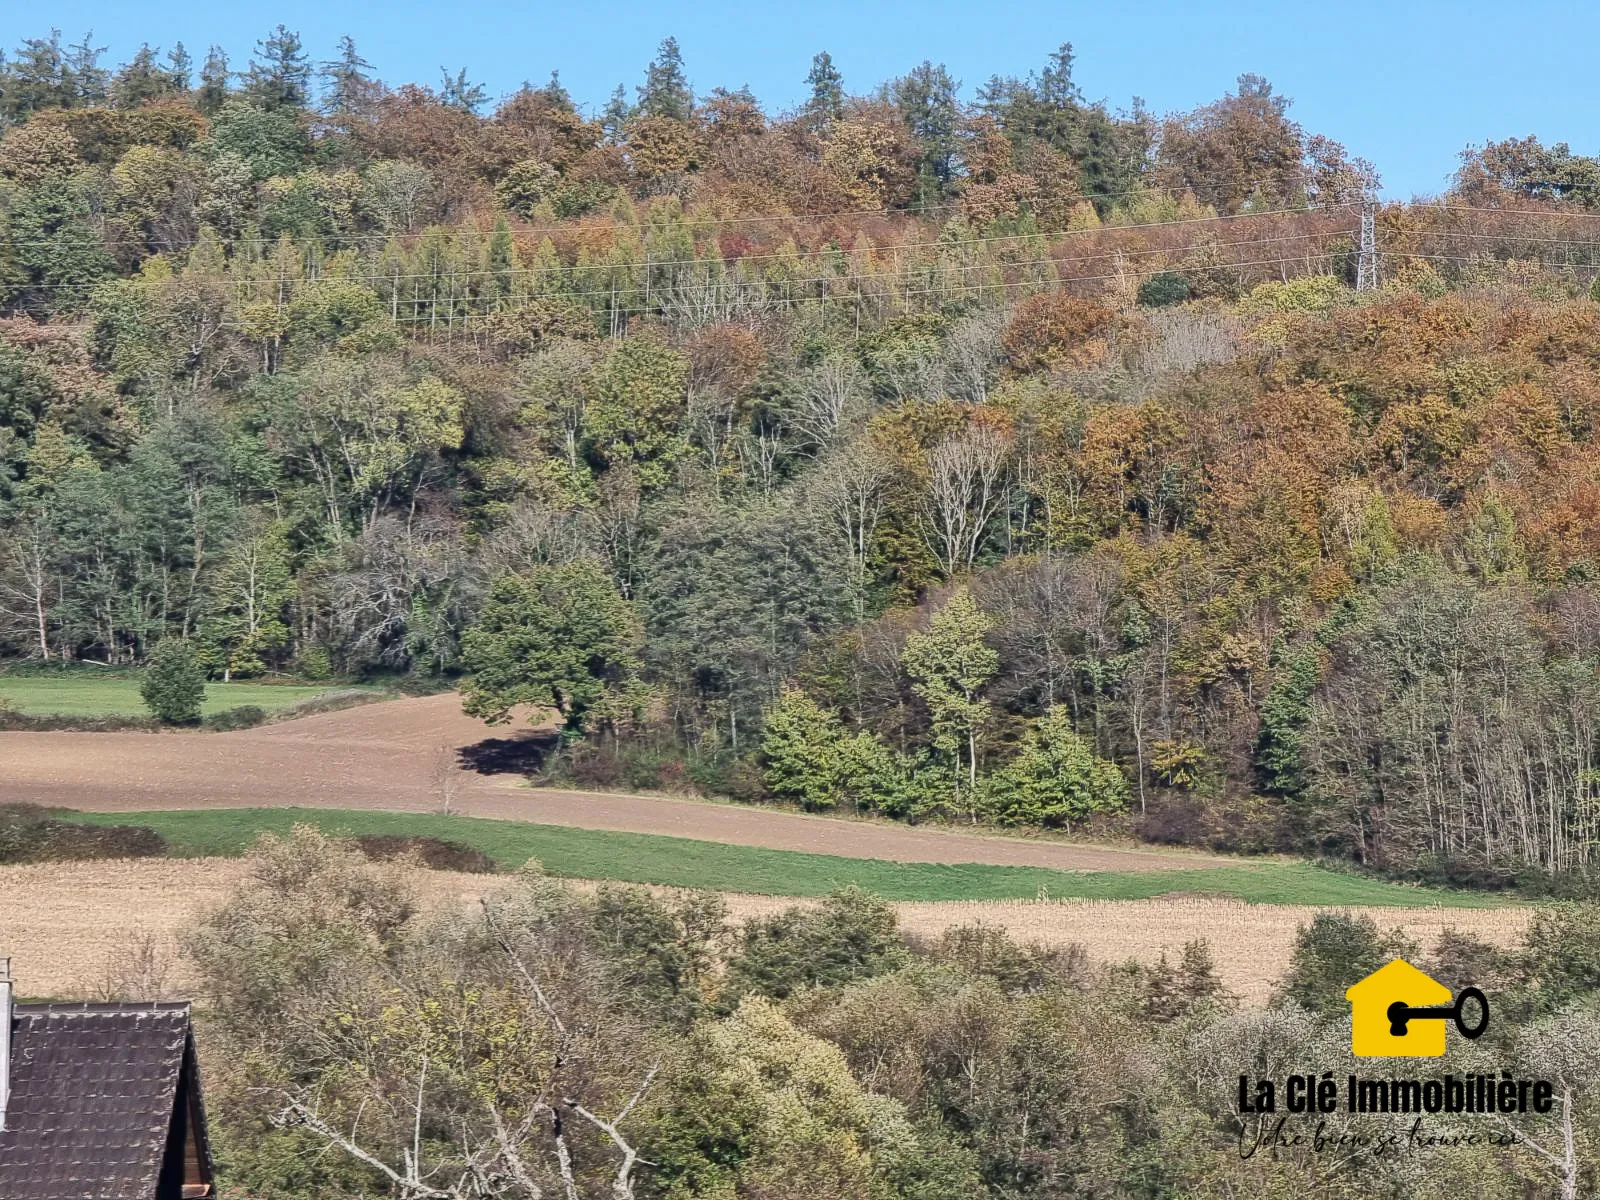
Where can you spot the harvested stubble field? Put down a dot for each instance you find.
(75, 929)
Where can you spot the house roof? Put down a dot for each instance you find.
(93, 1090)
(1399, 980)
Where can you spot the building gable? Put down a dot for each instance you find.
(104, 1102)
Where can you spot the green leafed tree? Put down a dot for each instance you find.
(950, 666)
(800, 750)
(1334, 951)
(250, 592)
(639, 404)
(174, 686)
(1284, 714)
(807, 757)
(58, 259)
(1055, 778)
(556, 637)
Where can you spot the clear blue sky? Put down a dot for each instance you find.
(1406, 85)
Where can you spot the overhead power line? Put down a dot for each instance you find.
(646, 265)
(692, 223)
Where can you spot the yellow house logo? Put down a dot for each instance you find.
(1398, 1011)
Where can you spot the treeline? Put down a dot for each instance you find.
(609, 1043)
(1012, 460)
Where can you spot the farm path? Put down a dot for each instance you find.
(417, 755)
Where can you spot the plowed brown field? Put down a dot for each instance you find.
(415, 755)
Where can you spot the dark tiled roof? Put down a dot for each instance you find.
(92, 1094)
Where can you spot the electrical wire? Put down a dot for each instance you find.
(647, 266)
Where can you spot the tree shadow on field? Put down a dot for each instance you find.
(521, 754)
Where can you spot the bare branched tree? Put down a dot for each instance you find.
(1566, 1049)
(851, 484)
(972, 355)
(832, 397)
(25, 594)
(138, 971)
(966, 477)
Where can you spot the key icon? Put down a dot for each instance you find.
(1400, 1014)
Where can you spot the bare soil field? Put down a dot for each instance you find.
(424, 754)
(75, 929)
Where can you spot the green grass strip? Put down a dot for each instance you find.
(685, 862)
(118, 695)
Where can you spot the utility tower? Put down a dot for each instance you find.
(1367, 263)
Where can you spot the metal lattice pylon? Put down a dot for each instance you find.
(1367, 263)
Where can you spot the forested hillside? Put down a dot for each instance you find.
(1007, 458)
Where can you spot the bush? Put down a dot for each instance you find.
(174, 687)
(10, 719)
(737, 778)
(245, 716)
(854, 935)
(986, 951)
(30, 835)
(1560, 959)
(1333, 952)
(1164, 289)
(437, 854)
(634, 768)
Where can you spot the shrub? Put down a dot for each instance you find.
(1333, 952)
(437, 854)
(1163, 289)
(808, 758)
(1560, 960)
(986, 951)
(801, 751)
(30, 835)
(720, 775)
(853, 936)
(175, 686)
(245, 716)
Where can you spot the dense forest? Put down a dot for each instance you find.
(1009, 459)
(609, 1043)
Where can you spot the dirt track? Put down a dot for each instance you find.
(74, 929)
(414, 755)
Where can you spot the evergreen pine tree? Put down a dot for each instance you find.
(349, 85)
(279, 74)
(179, 68)
(213, 82)
(666, 90)
(826, 103)
(616, 115)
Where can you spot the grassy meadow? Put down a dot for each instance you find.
(116, 694)
(684, 862)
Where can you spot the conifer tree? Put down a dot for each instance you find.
(666, 91)
(826, 102)
(348, 81)
(280, 73)
(213, 81)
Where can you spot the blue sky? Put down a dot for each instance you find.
(1406, 85)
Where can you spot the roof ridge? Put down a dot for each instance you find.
(101, 1009)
